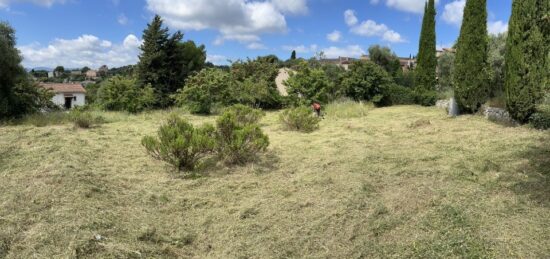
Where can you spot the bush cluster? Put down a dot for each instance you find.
(124, 94)
(85, 119)
(300, 119)
(236, 139)
(541, 118)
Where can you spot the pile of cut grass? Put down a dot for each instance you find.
(367, 186)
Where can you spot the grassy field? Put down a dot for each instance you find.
(402, 182)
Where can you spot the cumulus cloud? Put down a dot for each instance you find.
(48, 3)
(411, 6)
(256, 46)
(86, 50)
(351, 19)
(497, 27)
(301, 48)
(241, 20)
(454, 11)
(334, 36)
(349, 51)
(122, 19)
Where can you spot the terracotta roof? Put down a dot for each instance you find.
(65, 88)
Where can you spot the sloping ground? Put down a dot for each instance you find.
(401, 182)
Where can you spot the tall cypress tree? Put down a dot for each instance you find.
(526, 58)
(471, 77)
(427, 60)
(293, 55)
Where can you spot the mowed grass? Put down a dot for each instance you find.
(402, 182)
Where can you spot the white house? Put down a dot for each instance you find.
(67, 95)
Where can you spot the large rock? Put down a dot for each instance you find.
(453, 108)
(498, 115)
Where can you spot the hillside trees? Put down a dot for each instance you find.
(166, 61)
(526, 57)
(471, 68)
(384, 57)
(425, 73)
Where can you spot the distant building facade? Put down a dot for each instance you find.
(67, 96)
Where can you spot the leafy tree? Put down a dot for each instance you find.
(425, 71)
(165, 61)
(526, 68)
(18, 95)
(204, 90)
(293, 55)
(269, 59)
(263, 73)
(124, 94)
(59, 69)
(366, 81)
(496, 59)
(445, 70)
(384, 57)
(309, 85)
(471, 68)
(85, 69)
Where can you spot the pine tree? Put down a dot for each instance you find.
(166, 61)
(471, 75)
(293, 55)
(10, 69)
(425, 75)
(526, 57)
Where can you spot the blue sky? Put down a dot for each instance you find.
(76, 33)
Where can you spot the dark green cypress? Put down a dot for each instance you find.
(293, 55)
(427, 60)
(471, 77)
(526, 55)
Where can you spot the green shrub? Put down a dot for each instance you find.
(203, 90)
(541, 118)
(84, 119)
(124, 94)
(44, 119)
(367, 81)
(426, 98)
(400, 95)
(300, 119)
(180, 144)
(237, 141)
(309, 85)
(246, 115)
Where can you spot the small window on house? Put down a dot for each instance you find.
(74, 98)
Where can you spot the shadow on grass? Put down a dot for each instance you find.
(536, 185)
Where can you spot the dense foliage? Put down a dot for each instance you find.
(427, 60)
(367, 81)
(166, 62)
(387, 59)
(238, 136)
(203, 90)
(124, 94)
(18, 95)
(471, 67)
(526, 68)
(308, 85)
(445, 70)
(497, 52)
(180, 144)
(300, 119)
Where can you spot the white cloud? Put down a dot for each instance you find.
(370, 28)
(217, 59)
(122, 19)
(351, 19)
(291, 6)
(349, 51)
(256, 46)
(412, 6)
(334, 36)
(47, 3)
(301, 48)
(86, 50)
(497, 27)
(454, 11)
(241, 20)
(374, 2)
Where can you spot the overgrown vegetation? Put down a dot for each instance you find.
(85, 119)
(299, 119)
(124, 94)
(180, 144)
